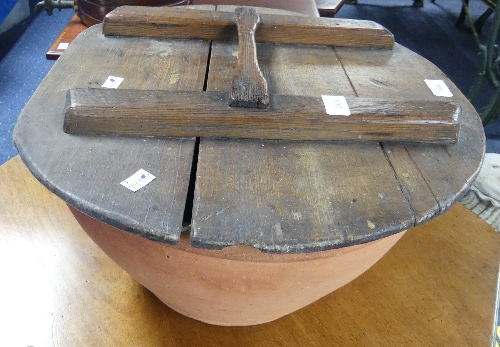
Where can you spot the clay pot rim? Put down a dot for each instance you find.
(251, 254)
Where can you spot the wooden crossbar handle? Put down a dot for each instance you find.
(184, 23)
(249, 88)
(189, 114)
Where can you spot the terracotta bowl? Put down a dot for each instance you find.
(238, 285)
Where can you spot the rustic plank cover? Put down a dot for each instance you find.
(275, 195)
(181, 22)
(289, 117)
(87, 171)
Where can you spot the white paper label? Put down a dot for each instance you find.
(138, 180)
(439, 88)
(112, 82)
(63, 45)
(336, 105)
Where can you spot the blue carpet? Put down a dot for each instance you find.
(22, 70)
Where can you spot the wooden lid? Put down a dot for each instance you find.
(276, 196)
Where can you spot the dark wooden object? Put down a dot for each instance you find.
(293, 118)
(304, 7)
(278, 196)
(249, 87)
(436, 287)
(329, 8)
(180, 23)
(93, 11)
(207, 114)
(76, 25)
(72, 30)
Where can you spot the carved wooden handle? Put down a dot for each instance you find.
(249, 88)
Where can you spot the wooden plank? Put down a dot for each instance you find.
(290, 117)
(413, 185)
(72, 30)
(329, 8)
(294, 7)
(286, 196)
(173, 22)
(432, 289)
(86, 171)
(249, 87)
(426, 174)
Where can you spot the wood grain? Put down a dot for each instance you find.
(436, 287)
(283, 196)
(80, 169)
(426, 174)
(176, 22)
(249, 87)
(290, 117)
(93, 11)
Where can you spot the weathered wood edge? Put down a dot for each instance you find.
(471, 127)
(408, 159)
(177, 22)
(412, 156)
(305, 247)
(157, 113)
(119, 221)
(411, 180)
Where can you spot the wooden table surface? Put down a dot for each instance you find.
(436, 287)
